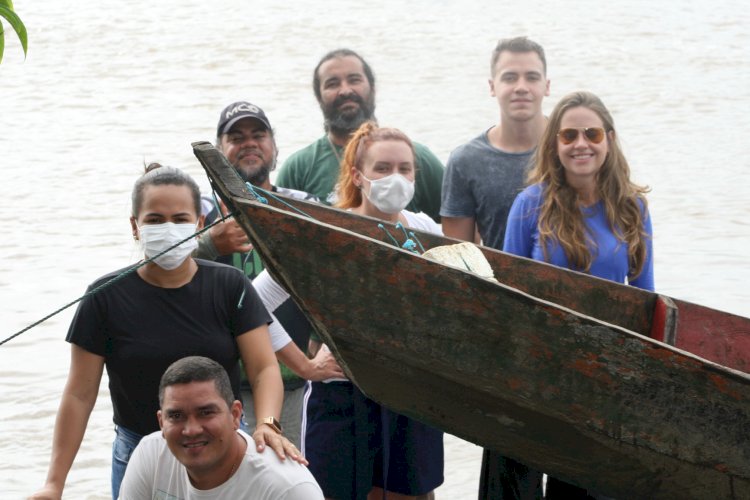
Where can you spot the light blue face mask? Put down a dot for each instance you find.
(390, 194)
(155, 238)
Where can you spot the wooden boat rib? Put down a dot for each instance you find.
(551, 367)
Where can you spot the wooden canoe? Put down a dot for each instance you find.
(570, 374)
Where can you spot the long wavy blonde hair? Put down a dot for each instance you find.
(560, 218)
(350, 195)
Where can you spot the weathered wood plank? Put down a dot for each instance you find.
(579, 398)
(563, 390)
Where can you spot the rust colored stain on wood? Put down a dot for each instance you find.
(723, 386)
(548, 367)
(590, 366)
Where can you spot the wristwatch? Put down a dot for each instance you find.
(272, 423)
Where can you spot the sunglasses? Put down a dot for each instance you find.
(594, 135)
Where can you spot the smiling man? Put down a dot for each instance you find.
(201, 452)
(344, 85)
(245, 136)
(484, 176)
(482, 179)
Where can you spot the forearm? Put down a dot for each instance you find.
(70, 426)
(295, 360)
(323, 366)
(206, 249)
(268, 391)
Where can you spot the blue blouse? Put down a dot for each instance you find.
(609, 255)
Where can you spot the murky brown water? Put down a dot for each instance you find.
(107, 86)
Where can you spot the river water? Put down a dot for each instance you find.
(107, 86)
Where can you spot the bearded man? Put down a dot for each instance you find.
(344, 86)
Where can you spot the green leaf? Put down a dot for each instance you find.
(2, 41)
(17, 25)
(6, 3)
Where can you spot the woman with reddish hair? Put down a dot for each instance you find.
(356, 447)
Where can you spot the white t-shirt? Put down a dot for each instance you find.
(153, 473)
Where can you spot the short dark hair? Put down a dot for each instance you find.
(517, 44)
(158, 175)
(334, 54)
(197, 369)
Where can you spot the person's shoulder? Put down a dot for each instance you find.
(303, 153)
(155, 440)
(113, 274)
(468, 150)
(530, 198)
(425, 157)
(533, 192)
(218, 269)
(149, 448)
(284, 474)
(422, 222)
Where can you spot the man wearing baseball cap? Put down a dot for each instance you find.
(245, 136)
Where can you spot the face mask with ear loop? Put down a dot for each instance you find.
(156, 238)
(390, 194)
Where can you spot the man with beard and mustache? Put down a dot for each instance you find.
(344, 86)
(245, 137)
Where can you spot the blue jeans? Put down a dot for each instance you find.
(123, 446)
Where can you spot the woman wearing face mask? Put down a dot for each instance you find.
(350, 439)
(168, 309)
(581, 211)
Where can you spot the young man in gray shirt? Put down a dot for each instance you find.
(484, 175)
(481, 181)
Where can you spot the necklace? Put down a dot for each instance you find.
(333, 148)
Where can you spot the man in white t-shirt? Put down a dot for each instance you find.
(200, 451)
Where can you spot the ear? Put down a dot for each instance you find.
(492, 87)
(236, 411)
(201, 222)
(134, 227)
(357, 177)
(546, 90)
(158, 417)
(611, 136)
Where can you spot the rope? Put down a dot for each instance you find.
(254, 190)
(408, 245)
(117, 278)
(409, 239)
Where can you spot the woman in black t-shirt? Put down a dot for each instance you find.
(172, 307)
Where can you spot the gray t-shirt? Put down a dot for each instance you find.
(482, 181)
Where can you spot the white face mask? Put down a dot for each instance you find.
(390, 194)
(156, 238)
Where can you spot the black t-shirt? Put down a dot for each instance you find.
(140, 329)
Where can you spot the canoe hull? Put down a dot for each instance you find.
(565, 392)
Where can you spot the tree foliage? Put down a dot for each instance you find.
(7, 13)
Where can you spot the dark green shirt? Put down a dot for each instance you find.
(315, 169)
